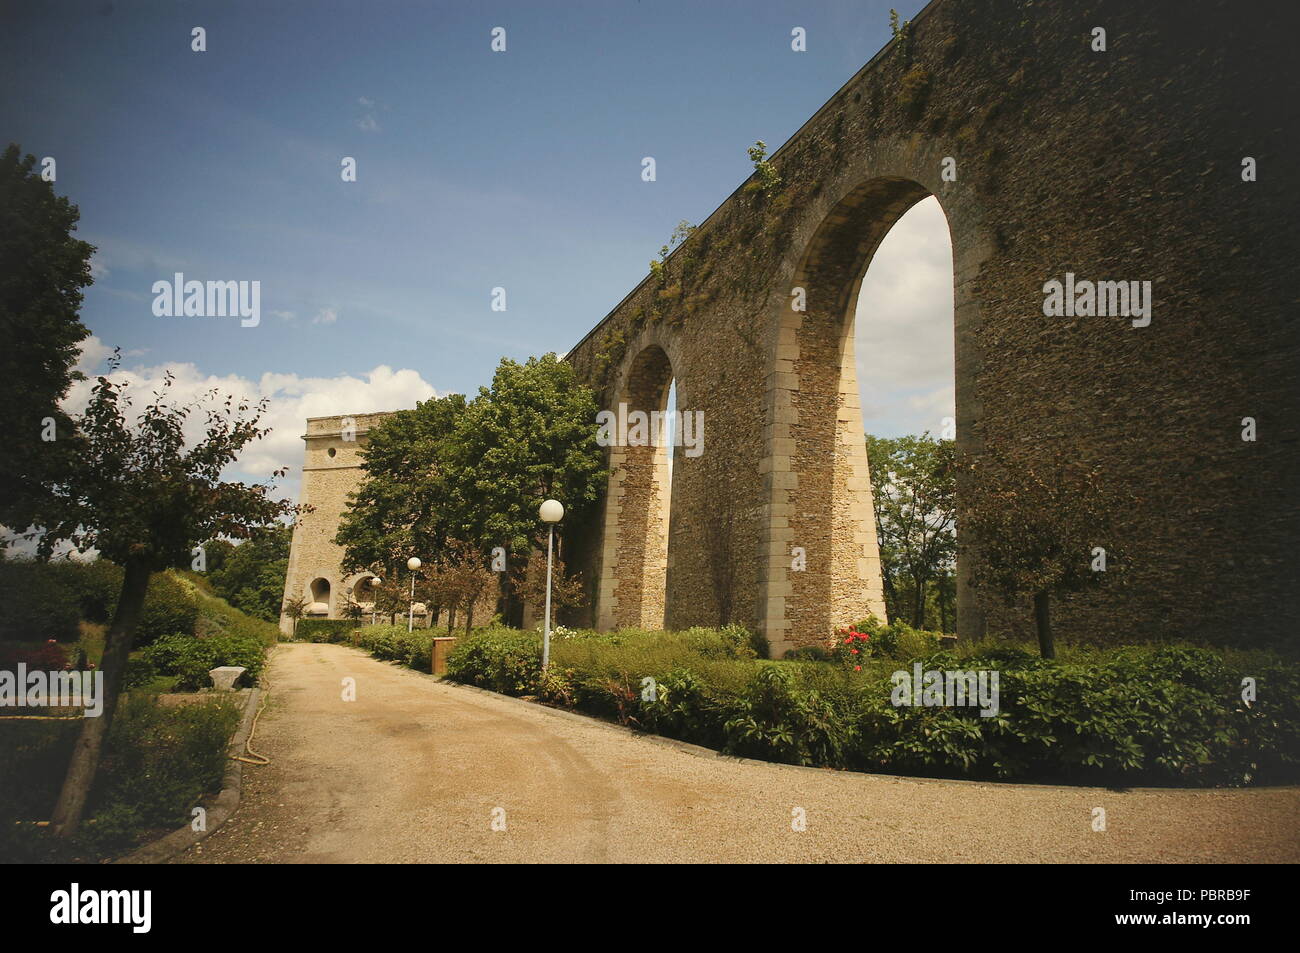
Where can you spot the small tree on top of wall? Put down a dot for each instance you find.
(1040, 533)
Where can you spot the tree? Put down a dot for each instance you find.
(476, 472)
(914, 493)
(42, 271)
(250, 576)
(1037, 531)
(567, 590)
(144, 500)
(295, 608)
(461, 580)
(400, 509)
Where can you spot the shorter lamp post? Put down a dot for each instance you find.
(375, 583)
(551, 512)
(412, 564)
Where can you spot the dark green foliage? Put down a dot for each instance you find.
(250, 576)
(46, 600)
(1134, 716)
(37, 605)
(325, 630)
(42, 271)
(159, 762)
(190, 658)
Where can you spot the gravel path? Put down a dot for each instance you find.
(417, 771)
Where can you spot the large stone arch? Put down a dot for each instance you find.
(1117, 165)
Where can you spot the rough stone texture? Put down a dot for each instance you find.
(326, 482)
(1115, 165)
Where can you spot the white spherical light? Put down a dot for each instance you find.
(413, 563)
(551, 511)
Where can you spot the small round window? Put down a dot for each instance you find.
(332, 451)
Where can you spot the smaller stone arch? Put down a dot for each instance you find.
(320, 590)
(634, 563)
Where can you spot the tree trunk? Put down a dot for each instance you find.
(1043, 620)
(918, 614)
(84, 765)
(469, 617)
(451, 618)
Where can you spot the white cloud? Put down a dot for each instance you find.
(291, 400)
(368, 124)
(325, 316)
(364, 101)
(903, 337)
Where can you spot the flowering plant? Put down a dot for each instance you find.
(850, 646)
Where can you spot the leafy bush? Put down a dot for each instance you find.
(190, 658)
(170, 607)
(1170, 715)
(392, 643)
(325, 630)
(159, 761)
(38, 605)
(503, 660)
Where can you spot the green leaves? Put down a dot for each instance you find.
(914, 493)
(477, 471)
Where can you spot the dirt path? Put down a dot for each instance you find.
(415, 771)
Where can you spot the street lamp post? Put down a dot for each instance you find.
(551, 512)
(412, 564)
(375, 583)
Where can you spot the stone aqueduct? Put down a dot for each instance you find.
(1122, 164)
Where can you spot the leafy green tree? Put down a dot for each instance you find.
(250, 576)
(144, 500)
(401, 507)
(295, 607)
(42, 271)
(914, 492)
(1037, 531)
(476, 472)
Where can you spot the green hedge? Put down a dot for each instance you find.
(392, 643)
(1171, 715)
(325, 630)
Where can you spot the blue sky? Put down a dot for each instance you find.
(475, 170)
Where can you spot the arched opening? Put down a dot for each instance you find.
(634, 578)
(824, 568)
(320, 597)
(904, 343)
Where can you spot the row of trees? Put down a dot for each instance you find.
(457, 482)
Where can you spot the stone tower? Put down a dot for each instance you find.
(331, 470)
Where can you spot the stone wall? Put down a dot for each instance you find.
(331, 470)
(1115, 165)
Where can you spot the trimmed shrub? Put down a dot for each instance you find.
(392, 643)
(190, 658)
(325, 630)
(1171, 715)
